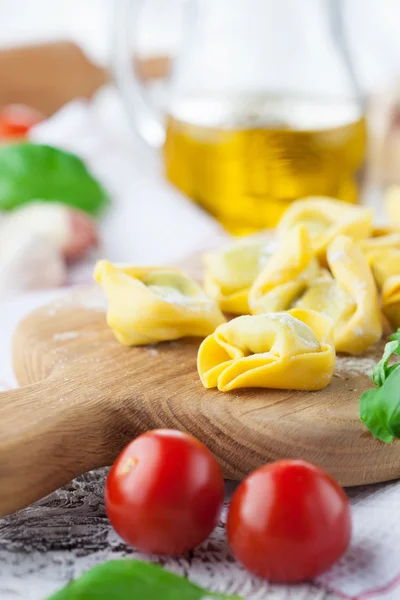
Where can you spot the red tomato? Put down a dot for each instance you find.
(165, 492)
(16, 120)
(289, 521)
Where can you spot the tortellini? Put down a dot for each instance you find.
(287, 350)
(148, 305)
(325, 218)
(349, 297)
(392, 204)
(383, 254)
(231, 270)
(385, 264)
(287, 274)
(391, 300)
(382, 244)
(292, 278)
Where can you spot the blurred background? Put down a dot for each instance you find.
(199, 119)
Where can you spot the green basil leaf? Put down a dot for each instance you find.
(38, 172)
(390, 401)
(395, 336)
(372, 415)
(380, 408)
(382, 370)
(133, 580)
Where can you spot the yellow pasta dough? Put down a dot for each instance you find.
(287, 274)
(148, 305)
(391, 300)
(380, 244)
(231, 270)
(287, 350)
(392, 204)
(385, 264)
(325, 218)
(292, 278)
(349, 297)
(383, 254)
(326, 296)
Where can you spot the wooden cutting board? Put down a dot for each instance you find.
(86, 396)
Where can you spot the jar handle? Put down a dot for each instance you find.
(147, 120)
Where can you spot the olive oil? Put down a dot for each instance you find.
(244, 159)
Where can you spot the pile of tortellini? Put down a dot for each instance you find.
(325, 281)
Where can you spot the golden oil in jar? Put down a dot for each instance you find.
(245, 159)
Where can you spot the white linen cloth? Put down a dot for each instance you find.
(151, 222)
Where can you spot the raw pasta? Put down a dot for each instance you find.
(148, 305)
(293, 278)
(349, 297)
(325, 218)
(231, 270)
(287, 274)
(385, 265)
(287, 350)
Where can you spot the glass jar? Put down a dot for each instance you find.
(260, 105)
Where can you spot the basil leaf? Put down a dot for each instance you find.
(395, 336)
(380, 408)
(133, 580)
(37, 172)
(372, 415)
(382, 370)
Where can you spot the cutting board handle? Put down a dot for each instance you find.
(50, 432)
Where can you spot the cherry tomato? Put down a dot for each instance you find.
(16, 120)
(164, 492)
(288, 521)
